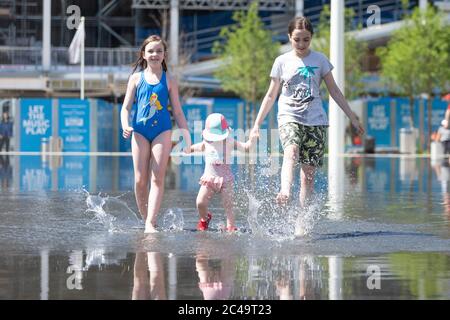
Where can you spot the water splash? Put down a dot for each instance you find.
(271, 168)
(267, 218)
(173, 220)
(111, 212)
(95, 205)
(309, 216)
(253, 207)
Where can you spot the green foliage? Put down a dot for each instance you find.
(354, 51)
(416, 59)
(405, 5)
(248, 53)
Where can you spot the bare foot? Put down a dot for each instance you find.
(283, 197)
(229, 228)
(150, 229)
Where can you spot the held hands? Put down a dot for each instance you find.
(127, 132)
(187, 150)
(254, 134)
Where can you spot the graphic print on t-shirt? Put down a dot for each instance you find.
(298, 87)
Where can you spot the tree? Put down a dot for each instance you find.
(354, 51)
(248, 53)
(417, 60)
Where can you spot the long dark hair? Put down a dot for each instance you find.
(140, 62)
(300, 23)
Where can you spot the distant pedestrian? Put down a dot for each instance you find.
(6, 131)
(443, 136)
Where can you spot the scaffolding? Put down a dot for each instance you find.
(116, 28)
(110, 23)
(265, 5)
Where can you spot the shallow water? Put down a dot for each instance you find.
(69, 229)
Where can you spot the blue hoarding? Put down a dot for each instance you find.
(438, 108)
(35, 123)
(232, 109)
(105, 126)
(379, 121)
(195, 116)
(126, 173)
(125, 144)
(190, 174)
(74, 124)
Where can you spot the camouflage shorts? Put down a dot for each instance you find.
(309, 139)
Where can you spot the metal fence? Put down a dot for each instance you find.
(31, 57)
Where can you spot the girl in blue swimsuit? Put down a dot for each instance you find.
(151, 89)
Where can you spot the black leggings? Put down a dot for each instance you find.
(446, 146)
(4, 141)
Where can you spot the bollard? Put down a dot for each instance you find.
(369, 144)
(407, 141)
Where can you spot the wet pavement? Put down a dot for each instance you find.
(69, 229)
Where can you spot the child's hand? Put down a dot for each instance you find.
(187, 150)
(127, 132)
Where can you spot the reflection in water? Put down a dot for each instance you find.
(299, 279)
(352, 170)
(335, 279)
(149, 277)
(216, 277)
(442, 170)
(44, 274)
(423, 272)
(336, 195)
(5, 172)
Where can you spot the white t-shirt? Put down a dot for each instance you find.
(218, 158)
(300, 99)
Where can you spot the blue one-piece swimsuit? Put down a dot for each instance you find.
(152, 117)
